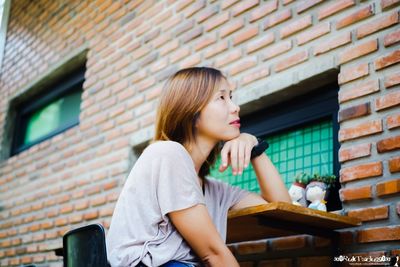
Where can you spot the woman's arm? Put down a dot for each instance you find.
(236, 152)
(197, 228)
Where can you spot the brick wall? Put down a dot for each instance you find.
(265, 47)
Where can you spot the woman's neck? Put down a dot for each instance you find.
(199, 152)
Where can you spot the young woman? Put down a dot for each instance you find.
(169, 213)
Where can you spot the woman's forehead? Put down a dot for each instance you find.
(225, 85)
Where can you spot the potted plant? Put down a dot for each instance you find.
(297, 189)
(327, 179)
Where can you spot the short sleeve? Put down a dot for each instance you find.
(233, 194)
(177, 183)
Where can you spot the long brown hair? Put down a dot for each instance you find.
(183, 97)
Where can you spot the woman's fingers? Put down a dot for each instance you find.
(241, 157)
(234, 157)
(247, 155)
(224, 157)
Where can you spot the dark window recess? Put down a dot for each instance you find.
(314, 107)
(48, 113)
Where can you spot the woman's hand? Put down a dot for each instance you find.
(236, 152)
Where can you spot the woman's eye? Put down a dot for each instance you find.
(222, 97)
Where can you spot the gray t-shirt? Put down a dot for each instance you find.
(162, 180)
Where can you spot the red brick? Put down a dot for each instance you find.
(356, 91)
(291, 61)
(167, 48)
(313, 33)
(335, 7)
(61, 222)
(107, 211)
(75, 218)
(255, 75)
(377, 25)
(355, 17)
(370, 214)
(394, 164)
(264, 40)
(387, 60)
(355, 112)
(386, 4)
(358, 51)
(379, 234)
(182, 4)
(245, 35)
(206, 13)
(228, 58)
(314, 261)
(391, 38)
(307, 4)
(393, 121)
(244, 6)
(191, 61)
(277, 49)
(228, 3)
(275, 19)
(231, 28)
(82, 205)
(387, 101)
(251, 247)
(242, 66)
(354, 152)
(361, 171)
(197, 6)
(216, 21)
(263, 10)
(296, 26)
(204, 42)
(353, 72)
(91, 215)
(219, 47)
(332, 44)
(110, 185)
(388, 144)
(66, 209)
(193, 34)
(392, 80)
(388, 188)
(360, 130)
(293, 242)
(358, 193)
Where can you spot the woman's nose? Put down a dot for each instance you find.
(234, 108)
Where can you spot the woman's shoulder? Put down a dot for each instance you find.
(166, 148)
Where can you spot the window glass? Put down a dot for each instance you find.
(53, 116)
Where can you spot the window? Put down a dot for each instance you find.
(4, 13)
(302, 138)
(49, 113)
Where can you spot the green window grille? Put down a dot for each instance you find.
(305, 149)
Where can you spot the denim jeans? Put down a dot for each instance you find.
(171, 264)
(177, 264)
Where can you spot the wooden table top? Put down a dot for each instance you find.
(246, 224)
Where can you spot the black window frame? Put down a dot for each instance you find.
(297, 112)
(67, 84)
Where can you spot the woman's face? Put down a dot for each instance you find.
(219, 119)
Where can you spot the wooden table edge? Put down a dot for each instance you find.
(293, 208)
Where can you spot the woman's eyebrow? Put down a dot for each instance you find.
(223, 91)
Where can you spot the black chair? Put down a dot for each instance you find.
(85, 247)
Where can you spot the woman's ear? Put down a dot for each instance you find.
(196, 119)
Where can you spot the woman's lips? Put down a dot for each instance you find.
(236, 124)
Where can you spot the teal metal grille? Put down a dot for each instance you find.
(306, 149)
